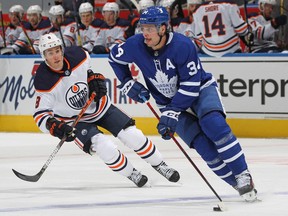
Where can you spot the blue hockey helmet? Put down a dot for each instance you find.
(156, 15)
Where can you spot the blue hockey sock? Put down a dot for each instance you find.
(216, 128)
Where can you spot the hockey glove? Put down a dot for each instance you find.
(136, 91)
(60, 129)
(99, 49)
(96, 83)
(248, 39)
(279, 21)
(167, 124)
(7, 51)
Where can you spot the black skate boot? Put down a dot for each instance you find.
(169, 173)
(245, 186)
(139, 179)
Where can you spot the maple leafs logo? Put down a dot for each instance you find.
(165, 86)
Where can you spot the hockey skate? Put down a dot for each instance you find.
(139, 179)
(169, 173)
(245, 186)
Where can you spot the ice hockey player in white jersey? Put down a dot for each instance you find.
(218, 26)
(13, 30)
(85, 34)
(187, 24)
(112, 31)
(35, 27)
(264, 27)
(186, 95)
(63, 83)
(61, 24)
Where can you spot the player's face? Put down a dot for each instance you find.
(191, 9)
(109, 17)
(14, 18)
(267, 10)
(33, 19)
(151, 34)
(54, 57)
(56, 20)
(86, 18)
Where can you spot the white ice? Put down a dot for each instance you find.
(78, 184)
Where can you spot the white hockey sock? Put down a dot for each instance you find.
(137, 141)
(111, 156)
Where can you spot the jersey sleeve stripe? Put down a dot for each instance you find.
(190, 83)
(118, 61)
(193, 94)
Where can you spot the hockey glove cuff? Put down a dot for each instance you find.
(136, 91)
(60, 129)
(96, 83)
(248, 39)
(167, 124)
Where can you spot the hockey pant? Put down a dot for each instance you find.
(211, 136)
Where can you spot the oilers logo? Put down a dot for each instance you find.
(76, 95)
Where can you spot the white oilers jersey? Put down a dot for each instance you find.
(68, 29)
(263, 33)
(12, 33)
(63, 94)
(217, 26)
(87, 34)
(108, 35)
(33, 34)
(187, 28)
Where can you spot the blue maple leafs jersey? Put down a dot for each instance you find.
(173, 74)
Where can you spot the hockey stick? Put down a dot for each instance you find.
(246, 19)
(60, 32)
(2, 24)
(186, 155)
(36, 177)
(282, 28)
(124, 2)
(136, 4)
(77, 23)
(26, 35)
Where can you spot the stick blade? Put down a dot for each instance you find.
(34, 178)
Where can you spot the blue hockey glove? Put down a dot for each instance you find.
(136, 91)
(167, 124)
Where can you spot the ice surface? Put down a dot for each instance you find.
(76, 183)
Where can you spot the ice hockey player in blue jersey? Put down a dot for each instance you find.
(63, 83)
(186, 95)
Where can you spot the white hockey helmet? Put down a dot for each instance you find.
(166, 3)
(34, 9)
(111, 6)
(194, 2)
(85, 7)
(143, 4)
(56, 10)
(261, 3)
(17, 9)
(48, 41)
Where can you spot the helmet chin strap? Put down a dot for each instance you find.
(160, 38)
